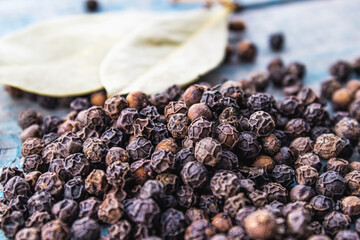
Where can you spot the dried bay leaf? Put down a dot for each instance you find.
(175, 48)
(62, 57)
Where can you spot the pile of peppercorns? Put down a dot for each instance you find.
(223, 162)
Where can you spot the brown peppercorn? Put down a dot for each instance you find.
(322, 205)
(32, 178)
(168, 143)
(348, 128)
(110, 210)
(350, 205)
(354, 109)
(275, 191)
(337, 164)
(261, 123)
(95, 150)
(307, 96)
(292, 107)
(208, 151)
(195, 214)
(328, 146)
(50, 182)
(175, 107)
(309, 159)
(193, 94)
(28, 234)
(341, 99)
(159, 100)
(178, 125)
(68, 126)
(34, 131)
(246, 51)
(38, 219)
(32, 146)
(352, 180)
(265, 162)
(298, 221)
(261, 224)
(335, 222)
(225, 184)
(96, 182)
(271, 144)
(236, 24)
(199, 110)
(331, 184)
(139, 148)
(234, 203)
(143, 128)
(200, 229)
(302, 145)
(141, 170)
(194, 174)
(162, 160)
(222, 222)
(170, 182)
(354, 166)
(28, 118)
(137, 100)
(306, 175)
(55, 230)
(118, 174)
(115, 154)
(98, 98)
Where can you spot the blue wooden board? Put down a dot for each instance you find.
(317, 33)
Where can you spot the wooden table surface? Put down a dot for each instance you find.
(317, 33)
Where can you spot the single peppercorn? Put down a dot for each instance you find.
(200, 128)
(291, 107)
(308, 159)
(118, 174)
(276, 41)
(283, 174)
(346, 234)
(77, 165)
(227, 135)
(261, 224)
(331, 184)
(354, 109)
(337, 164)
(174, 108)
(200, 229)
(66, 210)
(246, 51)
(194, 174)
(341, 70)
(137, 100)
(178, 125)
(301, 145)
(110, 210)
(234, 203)
(50, 182)
(248, 145)
(261, 123)
(85, 228)
(115, 154)
(208, 151)
(335, 222)
(89, 208)
(298, 222)
(96, 182)
(55, 230)
(306, 175)
(11, 223)
(16, 186)
(8, 172)
(352, 180)
(173, 223)
(341, 99)
(275, 191)
(224, 184)
(162, 160)
(139, 148)
(40, 202)
(142, 211)
(28, 118)
(302, 193)
(185, 197)
(28, 234)
(264, 161)
(328, 146)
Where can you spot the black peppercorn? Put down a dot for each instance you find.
(142, 211)
(331, 184)
(173, 223)
(139, 148)
(283, 174)
(341, 70)
(66, 210)
(335, 222)
(302, 193)
(55, 230)
(224, 184)
(85, 229)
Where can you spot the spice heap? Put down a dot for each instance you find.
(227, 162)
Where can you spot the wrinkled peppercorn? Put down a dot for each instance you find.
(341, 70)
(41, 202)
(337, 164)
(306, 175)
(330, 184)
(8, 172)
(139, 148)
(75, 189)
(50, 182)
(308, 159)
(28, 118)
(110, 210)
(96, 183)
(11, 223)
(283, 174)
(85, 228)
(335, 222)
(16, 186)
(55, 230)
(328, 146)
(248, 145)
(194, 174)
(142, 211)
(224, 184)
(66, 210)
(186, 197)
